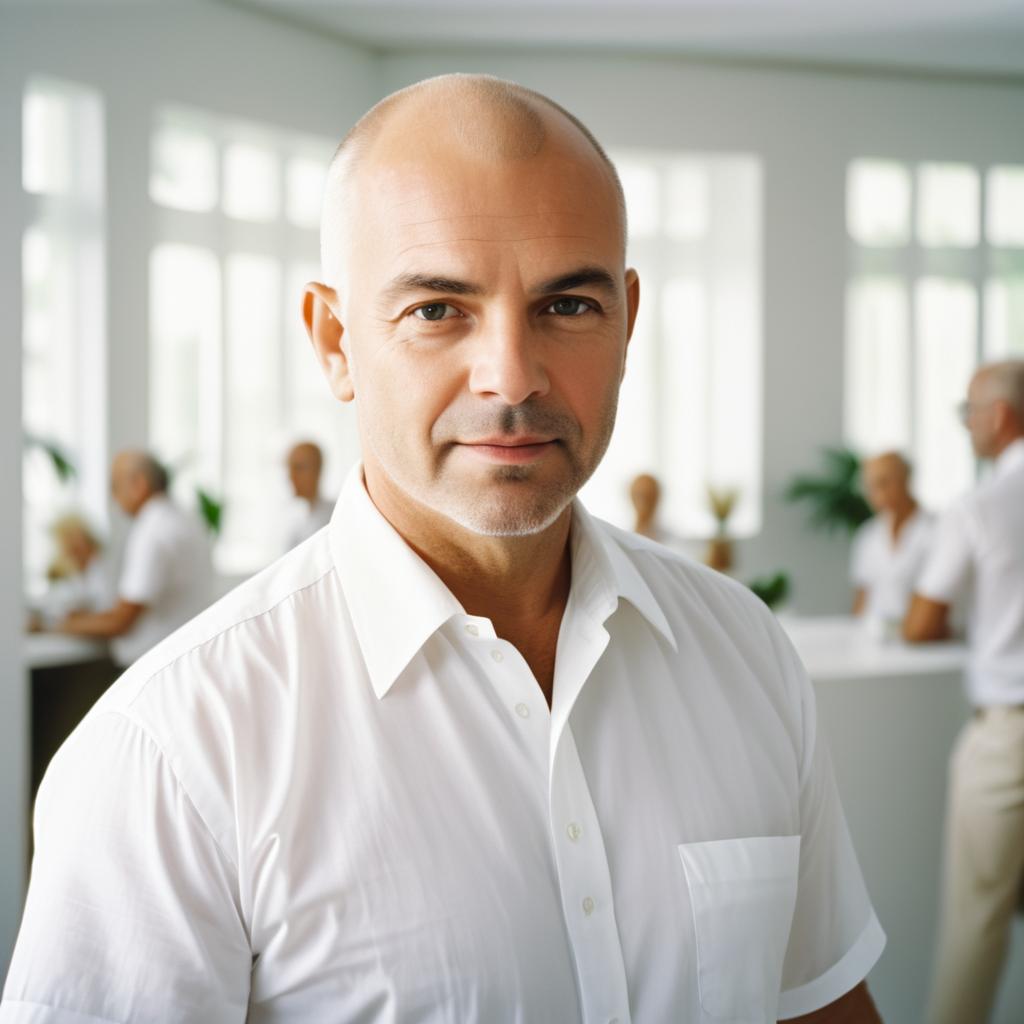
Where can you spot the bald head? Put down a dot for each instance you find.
(887, 483)
(135, 476)
(305, 462)
(995, 407)
(476, 117)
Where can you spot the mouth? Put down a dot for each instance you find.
(509, 450)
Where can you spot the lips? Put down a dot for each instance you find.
(506, 449)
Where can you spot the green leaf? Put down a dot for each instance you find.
(211, 510)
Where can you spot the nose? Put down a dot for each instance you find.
(508, 362)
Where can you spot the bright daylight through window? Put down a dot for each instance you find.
(690, 407)
(936, 287)
(233, 380)
(64, 325)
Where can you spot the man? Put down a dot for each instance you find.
(469, 755)
(890, 548)
(165, 576)
(310, 512)
(979, 550)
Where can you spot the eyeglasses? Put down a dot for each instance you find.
(965, 410)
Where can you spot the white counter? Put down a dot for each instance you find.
(843, 647)
(891, 713)
(47, 650)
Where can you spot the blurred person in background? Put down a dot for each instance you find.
(890, 548)
(166, 573)
(978, 552)
(78, 576)
(309, 511)
(645, 494)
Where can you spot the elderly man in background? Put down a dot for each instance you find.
(165, 576)
(309, 511)
(890, 548)
(468, 755)
(979, 551)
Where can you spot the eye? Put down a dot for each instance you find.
(435, 311)
(569, 306)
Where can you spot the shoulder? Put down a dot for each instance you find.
(253, 624)
(691, 594)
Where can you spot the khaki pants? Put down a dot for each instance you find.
(984, 865)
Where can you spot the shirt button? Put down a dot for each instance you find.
(472, 629)
(573, 831)
(497, 655)
(588, 906)
(522, 711)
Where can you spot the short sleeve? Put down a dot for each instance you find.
(132, 911)
(145, 569)
(947, 568)
(835, 938)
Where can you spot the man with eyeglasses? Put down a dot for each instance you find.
(979, 549)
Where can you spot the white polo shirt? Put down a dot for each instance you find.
(166, 567)
(979, 549)
(335, 796)
(887, 570)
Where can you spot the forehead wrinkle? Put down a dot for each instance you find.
(494, 241)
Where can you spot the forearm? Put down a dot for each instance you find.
(102, 625)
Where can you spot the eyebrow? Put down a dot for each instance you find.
(588, 275)
(591, 275)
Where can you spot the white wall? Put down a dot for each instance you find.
(14, 733)
(806, 126)
(139, 59)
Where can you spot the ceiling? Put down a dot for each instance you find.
(975, 37)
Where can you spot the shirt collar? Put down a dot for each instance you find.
(603, 573)
(1010, 458)
(397, 602)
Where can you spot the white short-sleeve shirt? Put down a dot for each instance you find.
(978, 551)
(166, 567)
(886, 570)
(336, 796)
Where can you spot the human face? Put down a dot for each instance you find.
(980, 419)
(885, 484)
(484, 318)
(304, 473)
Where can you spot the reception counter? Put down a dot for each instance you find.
(890, 713)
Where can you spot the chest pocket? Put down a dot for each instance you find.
(743, 892)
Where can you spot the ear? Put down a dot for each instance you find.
(632, 306)
(325, 331)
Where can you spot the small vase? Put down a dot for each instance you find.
(719, 554)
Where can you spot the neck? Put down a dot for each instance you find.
(1006, 442)
(513, 581)
(901, 514)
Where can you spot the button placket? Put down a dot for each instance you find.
(585, 884)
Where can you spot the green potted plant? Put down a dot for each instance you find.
(833, 497)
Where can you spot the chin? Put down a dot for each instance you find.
(503, 518)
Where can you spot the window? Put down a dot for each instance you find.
(63, 332)
(933, 291)
(233, 380)
(690, 405)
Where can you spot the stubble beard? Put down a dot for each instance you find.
(516, 507)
